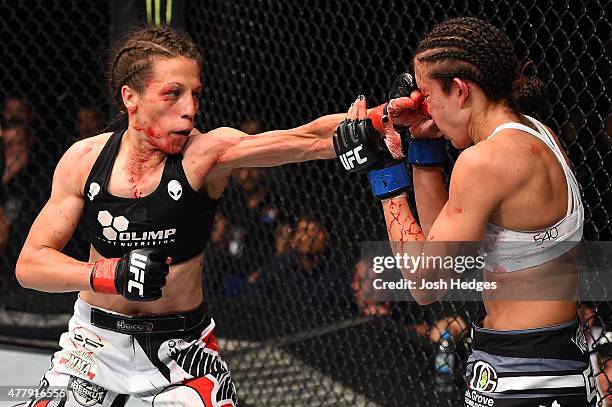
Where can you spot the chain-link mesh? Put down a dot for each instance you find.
(294, 326)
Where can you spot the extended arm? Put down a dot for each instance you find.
(236, 149)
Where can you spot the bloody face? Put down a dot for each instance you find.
(442, 106)
(165, 110)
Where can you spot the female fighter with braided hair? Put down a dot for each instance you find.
(513, 189)
(147, 195)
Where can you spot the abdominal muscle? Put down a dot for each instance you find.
(182, 292)
(512, 315)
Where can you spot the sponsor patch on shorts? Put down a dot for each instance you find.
(79, 363)
(86, 393)
(476, 399)
(484, 377)
(81, 337)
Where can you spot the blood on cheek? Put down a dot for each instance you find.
(153, 109)
(152, 129)
(148, 130)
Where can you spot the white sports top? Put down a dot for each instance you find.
(512, 250)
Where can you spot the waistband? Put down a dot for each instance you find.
(561, 341)
(142, 324)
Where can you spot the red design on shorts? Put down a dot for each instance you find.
(204, 386)
(54, 402)
(210, 341)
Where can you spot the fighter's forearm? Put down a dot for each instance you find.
(47, 269)
(322, 129)
(407, 239)
(430, 194)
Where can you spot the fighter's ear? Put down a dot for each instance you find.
(130, 98)
(462, 89)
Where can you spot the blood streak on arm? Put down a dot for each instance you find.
(409, 229)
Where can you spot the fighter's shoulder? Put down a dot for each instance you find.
(509, 150)
(212, 141)
(490, 165)
(86, 151)
(80, 157)
(481, 156)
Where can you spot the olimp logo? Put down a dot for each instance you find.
(115, 231)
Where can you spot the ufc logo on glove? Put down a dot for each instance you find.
(350, 156)
(137, 266)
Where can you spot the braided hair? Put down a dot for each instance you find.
(132, 59)
(474, 50)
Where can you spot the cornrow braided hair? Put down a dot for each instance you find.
(131, 61)
(472, 49)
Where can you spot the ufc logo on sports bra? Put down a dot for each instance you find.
(137, 266)
(350, 156)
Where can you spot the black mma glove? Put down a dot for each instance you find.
(138, 276)
(360, 148)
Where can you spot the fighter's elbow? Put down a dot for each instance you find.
(21, 273)
(23, 269)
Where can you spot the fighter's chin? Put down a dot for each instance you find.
(457, 143)
(174, 144)
(172, 150)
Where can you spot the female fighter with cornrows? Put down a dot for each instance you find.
(147, 195)
(513, 190)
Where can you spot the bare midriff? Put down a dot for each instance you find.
(532, 298)
(512, 315)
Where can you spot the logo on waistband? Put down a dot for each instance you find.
(132, 327)
(484, 377)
